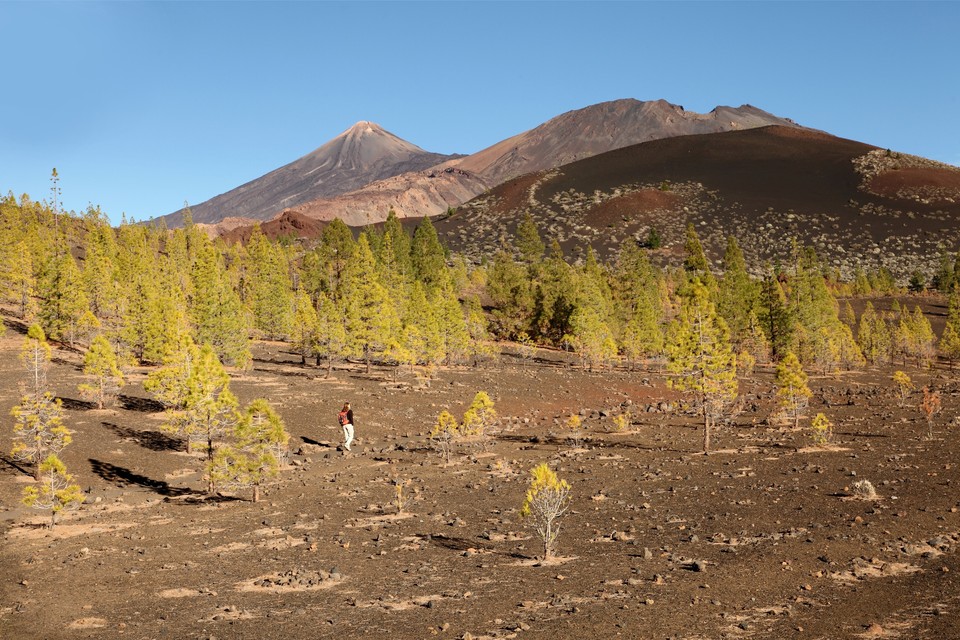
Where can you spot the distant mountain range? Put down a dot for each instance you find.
(363, 173)
(362, 154)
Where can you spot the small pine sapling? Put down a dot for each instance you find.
(56, 492)
(479, 416)
(904, 385)
(546, 501)
(930, 406)
(403, 495)
(792, 390)
(445, 431)
(621, 421)
(575, 425)
(821, 430)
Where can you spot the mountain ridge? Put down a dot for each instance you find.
(363, 153)
(565, 138)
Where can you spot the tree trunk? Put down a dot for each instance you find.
(706, 431)
(329, 366)
(256, 493)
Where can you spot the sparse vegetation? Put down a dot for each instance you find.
(545, 503)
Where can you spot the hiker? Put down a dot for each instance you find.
(345, 417)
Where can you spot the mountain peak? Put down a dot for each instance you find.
(362, 127)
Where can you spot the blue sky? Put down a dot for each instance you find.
(144, 105)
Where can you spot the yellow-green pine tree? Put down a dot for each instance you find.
(253, 456)
(63, 300)
(38, 430)
(100, 364)
(210, 409)
(57, 490)
(949, 344)
(546, 501)
(700, 356)
(480, 415)
(793, 394)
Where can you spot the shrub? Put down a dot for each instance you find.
(904, 385)
(575, 425)
(863, 489)
(821, 430)
(444, 432)
(546, 501)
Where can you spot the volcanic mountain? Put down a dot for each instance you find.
(571, 136)
(362, 154)
(855, 203)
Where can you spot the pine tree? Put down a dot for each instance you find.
(914, 337)
(775, 316)
(737, 296)
(271, 293)
(529, 244)
(455, 338)
(638, 306)
(64, 301)
(546, 501)
(792, 391)
(422, 336)
(171, 382)
(396, 241)
(35, 356)
(873, 336)
(510, 290)
(100, 364)
(481, 345)
(553, 290)
(904, 385)
(305, 333)
(332, 341)
(427, 255)
(695, 261)
(949, 344)
(444, 433)
(699, 354)
(480, 415)
(57, 490)
(39, 430)
(259, 444)
(216, 311)
(209, 408)
(371, 322)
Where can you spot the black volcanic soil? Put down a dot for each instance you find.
(764, 185)
(761, 539)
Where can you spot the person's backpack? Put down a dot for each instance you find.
(342, 417)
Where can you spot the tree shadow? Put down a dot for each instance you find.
(458, 544)
(152, 440)
(72, 404)
(14, 323)
(289, 374)
(143, 405)
(66, 363)
(121, 476)
(10, 462)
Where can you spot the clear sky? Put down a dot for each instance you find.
(142, 106)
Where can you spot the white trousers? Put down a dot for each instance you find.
(347, 436)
